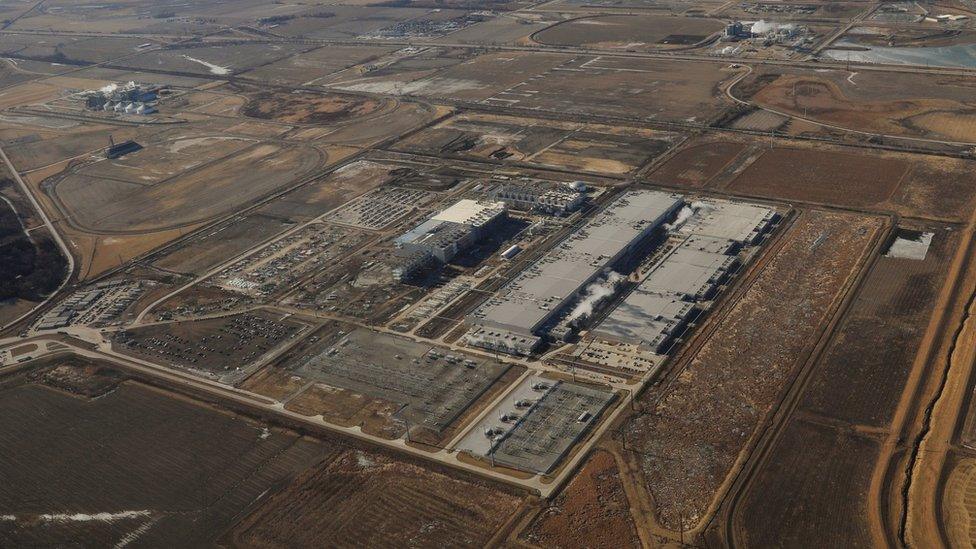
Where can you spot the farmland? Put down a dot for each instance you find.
(881, 182)
(213, 471)
(373, 499)
(642, 32)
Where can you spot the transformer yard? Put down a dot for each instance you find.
(520, 274)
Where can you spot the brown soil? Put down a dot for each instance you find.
(695, 166)
(911, 185)
(185, 471)
(592, 511)
(307, 108)
(367, 499)
(826, 177)
(910, 105)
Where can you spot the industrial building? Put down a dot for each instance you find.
(548, 198)
(735, 221)
(117, 150)
(708, 238)
(446, 234)
(689, 273)
(516, 319)
(647, 319)
(129, 98)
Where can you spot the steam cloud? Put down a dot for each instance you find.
(685, 214)
(596, 292)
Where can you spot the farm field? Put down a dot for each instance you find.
(846, 410)
(714, 408)
(821, 470)
(630, 32)
(864, 369)
(367, 498)
(910, 185)
(694, 166)
(152, 479)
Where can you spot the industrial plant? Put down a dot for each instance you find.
(445, 235)
(126, 98)
(550, 300)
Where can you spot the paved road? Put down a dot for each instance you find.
(50, 227)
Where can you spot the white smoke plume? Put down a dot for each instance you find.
(685, 214)
(596, 292)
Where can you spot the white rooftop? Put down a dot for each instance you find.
(470, 212)
(536, 293)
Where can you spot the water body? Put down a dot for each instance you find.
(958, 56)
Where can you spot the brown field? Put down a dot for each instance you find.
(316, 64)
(129, 453)
(813, 492)
(706, 418)
(162, 161)
(825, 177)
(846, 411)
(367, 499)
(330, 192)
(546, 143)
(840, 11)
(912, 185)
(619, 87)
(219, 244)
(912, 105)
(591, 511)
(347, 408)
(309, 108)
(630, 32)
(864, 369)
(202, 193)
(695, 166)
(911, 37)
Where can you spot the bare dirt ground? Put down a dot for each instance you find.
(374, 500)
(911, 185)
(592, 511)
(836, 438)
(696, 429)
(696, 165)
(936, 107)
(630, 32)
(309, 109)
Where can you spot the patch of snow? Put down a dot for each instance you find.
(97, 517)
(214, 69)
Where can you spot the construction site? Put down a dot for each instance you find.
(521, 274)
